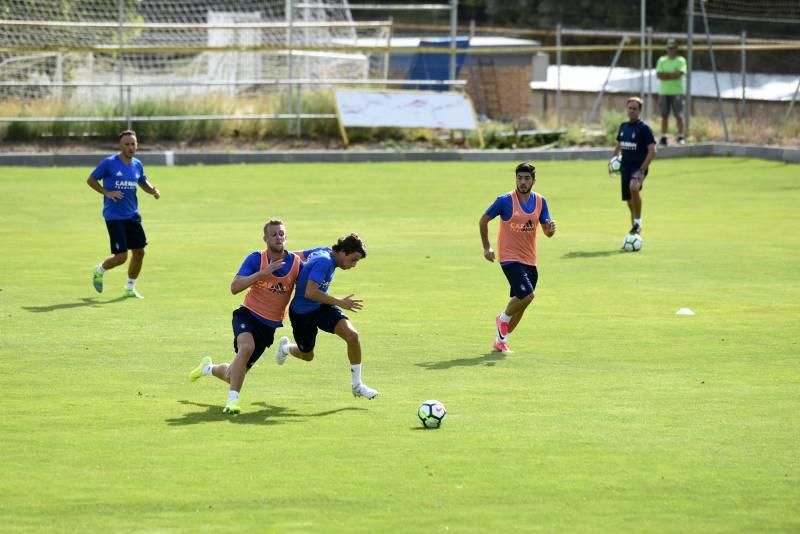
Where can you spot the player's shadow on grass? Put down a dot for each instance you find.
(268, 415)
(489, 359)
(594, 254)
(86, 301)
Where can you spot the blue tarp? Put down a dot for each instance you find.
(435, 66)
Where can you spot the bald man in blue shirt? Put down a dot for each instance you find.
(120, 175)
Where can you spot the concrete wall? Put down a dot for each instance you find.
(89, 160)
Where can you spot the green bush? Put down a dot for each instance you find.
(264, 132)
(611, 121)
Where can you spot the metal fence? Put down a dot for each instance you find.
(130, 85)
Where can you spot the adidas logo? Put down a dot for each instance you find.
(278, 288)
(119, 173)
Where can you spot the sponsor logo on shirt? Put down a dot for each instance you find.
(527, 227)
(124, 184)
(628, 145)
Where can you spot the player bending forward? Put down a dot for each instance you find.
(312, 309)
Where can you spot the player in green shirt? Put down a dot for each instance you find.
(670, 69)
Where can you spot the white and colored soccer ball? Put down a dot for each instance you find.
(614, 165)
(432, 414)
(632, 243)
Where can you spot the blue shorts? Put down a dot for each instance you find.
(521, 278)
(626, 174)
(263, 335)
(305, 325)
(126, 234)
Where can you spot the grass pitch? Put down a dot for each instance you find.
(612, 413)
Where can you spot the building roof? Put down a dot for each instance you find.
(475, 42)
(770, 87)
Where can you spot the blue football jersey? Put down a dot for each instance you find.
(634, 138)
(117, 176)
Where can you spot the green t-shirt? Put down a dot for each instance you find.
(665, 64)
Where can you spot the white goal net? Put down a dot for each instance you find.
(167, 48)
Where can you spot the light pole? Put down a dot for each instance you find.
(642, 28)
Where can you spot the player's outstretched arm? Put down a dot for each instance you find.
(314, 293)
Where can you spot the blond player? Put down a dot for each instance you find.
(270, 276)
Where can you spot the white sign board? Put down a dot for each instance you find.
(405, 109)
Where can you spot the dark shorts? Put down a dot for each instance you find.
(521, 278)
(127, 234)
(263, 335)
(305, 325)
(671, 102)
(626, 175)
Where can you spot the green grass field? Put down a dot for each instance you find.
(612, 413)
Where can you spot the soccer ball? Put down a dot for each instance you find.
(614, 165)
(432, 413)
(632, 243)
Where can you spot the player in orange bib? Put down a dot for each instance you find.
(270, 276)
(521, 213)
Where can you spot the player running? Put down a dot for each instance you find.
(121, 174)
(269, 276)
(313, 309)
(521, 212)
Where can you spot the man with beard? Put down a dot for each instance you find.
(121, 174)
(270, 275)
(521, 212)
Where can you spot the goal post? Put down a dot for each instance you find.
(131, 42)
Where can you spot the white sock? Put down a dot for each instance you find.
(355, 374)
(100, 269)
(130, 283)
(637, 221)
(505, 318)
(233, 395)
(207, 369)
